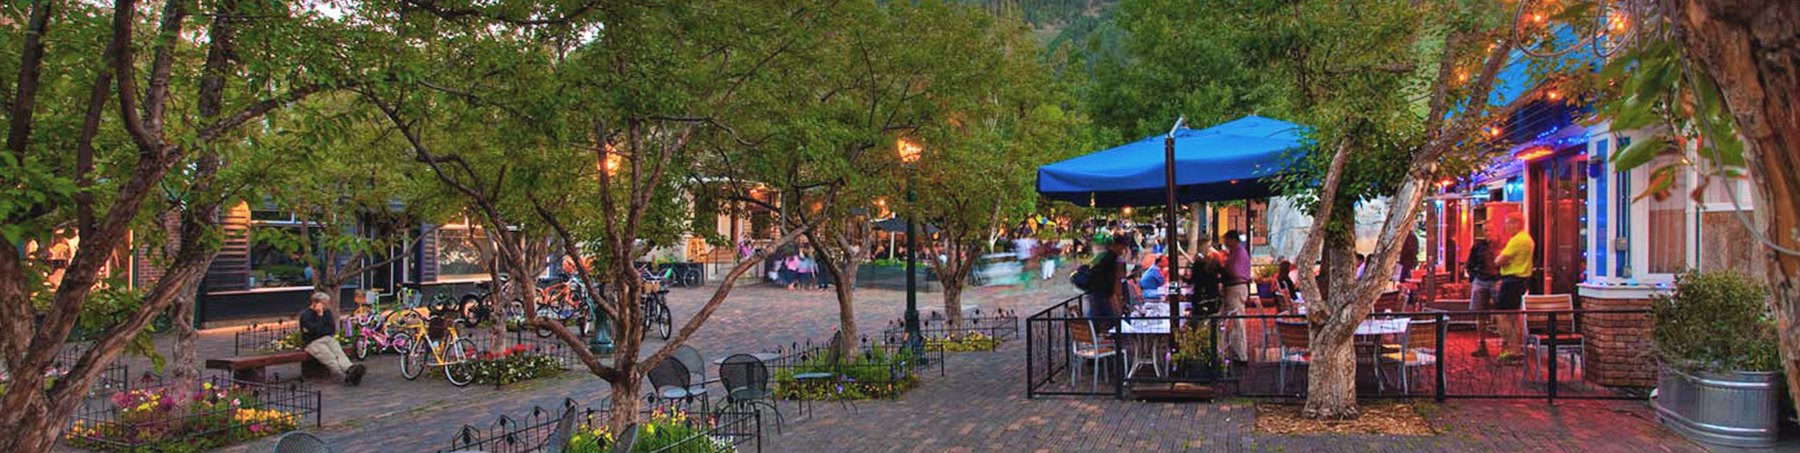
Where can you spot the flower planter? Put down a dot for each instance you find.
(1740, 409)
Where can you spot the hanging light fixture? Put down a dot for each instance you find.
(1615, 24)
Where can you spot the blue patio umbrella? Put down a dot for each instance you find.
(1231, 161)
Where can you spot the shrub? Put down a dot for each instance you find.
(673, 430)
(974, 341)
(876, 374)
(1716, 321)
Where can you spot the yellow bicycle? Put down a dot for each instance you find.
(441, 347)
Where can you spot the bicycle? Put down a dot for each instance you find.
(375, 339)
(559, 302)
(681, 277)
(444, 348)
(478, 306)
(656, 306)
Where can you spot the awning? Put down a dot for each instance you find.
(1231, 161)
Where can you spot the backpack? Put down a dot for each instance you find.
(1082, 277)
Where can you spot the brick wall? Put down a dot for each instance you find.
(1618, 345)
(144, 256)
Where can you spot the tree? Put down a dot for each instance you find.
(1380, 84)
(146, 140)
(582, 119)
(1011, 122)
(1720, 76)
(874, 74)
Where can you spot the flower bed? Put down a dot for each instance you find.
(215, 413)
(970, 342)
(880, 372)
(512, 365)
(664, 432)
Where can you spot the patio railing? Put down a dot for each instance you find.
(1418, 354)
(258, 338)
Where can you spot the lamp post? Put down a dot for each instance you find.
(909, 154)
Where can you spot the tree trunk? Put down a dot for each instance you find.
(1331, 377)
(845, 287)
(184, 366)
(952, 303)
(1752, 49)
(624, 409)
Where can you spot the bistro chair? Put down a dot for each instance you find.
(1539, 344)
(696, 364)
(671, 381)
(830, 371)
(746, 381)
(1417, 348)
(627, 440)
(1083, 345)
(1295, 348)
(565, 429)
(1389, 301)
(300, 442)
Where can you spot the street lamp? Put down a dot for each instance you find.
(909, 154)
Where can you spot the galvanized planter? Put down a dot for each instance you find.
(1739, 409)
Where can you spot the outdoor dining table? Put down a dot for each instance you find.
(1143, 341)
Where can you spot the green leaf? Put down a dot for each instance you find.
(1640, 152)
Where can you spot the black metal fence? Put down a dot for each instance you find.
(209, 413)
(723, 430)
(998, 325)
(266, 337)
(1418, 354)
(115, 376)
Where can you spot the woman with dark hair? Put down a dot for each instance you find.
(1285, 292)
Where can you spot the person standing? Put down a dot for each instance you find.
(790, 269)
(1482, 277)
(1105, 281)
(1235, 290)
(318, 330)
(1515, 267)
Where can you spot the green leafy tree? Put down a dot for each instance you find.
(134, 123)
(1718, 77)
(1397, 94)
(583, 119)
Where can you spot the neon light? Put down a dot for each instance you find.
(1534, 153)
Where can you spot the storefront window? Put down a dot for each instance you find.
(276, 255)
(459, 252)
(1668, 223)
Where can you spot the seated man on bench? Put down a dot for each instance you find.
(317, 327)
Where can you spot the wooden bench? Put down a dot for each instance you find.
(250, 368)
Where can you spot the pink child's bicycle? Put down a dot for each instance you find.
(373, 338)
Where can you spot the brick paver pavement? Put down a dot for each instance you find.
(979, 405)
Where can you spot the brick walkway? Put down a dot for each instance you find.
(979, 405)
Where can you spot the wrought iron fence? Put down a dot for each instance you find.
(264, 338)
(1429, 353)
(999, 325)
(208, 413)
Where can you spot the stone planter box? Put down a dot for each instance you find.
(1738, 409)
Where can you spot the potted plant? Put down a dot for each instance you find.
(1720, 379)
(1195, 357)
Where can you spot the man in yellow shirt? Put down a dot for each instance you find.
(1514, 262)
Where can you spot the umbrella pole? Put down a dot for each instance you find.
(1171, 273)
